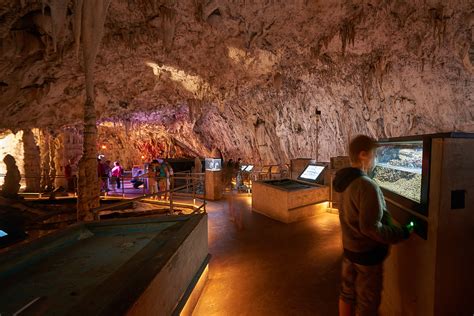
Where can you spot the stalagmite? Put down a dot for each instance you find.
(32, 161)
(92, 27)
(46, 180)
(12, 179)
(59, 161)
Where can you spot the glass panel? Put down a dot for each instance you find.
(398, 168)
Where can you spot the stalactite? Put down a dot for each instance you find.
(32, 162)
(347, 34)
(77, 25)
(58, 19)
(93, 14)
(438, 20)
(168, 25)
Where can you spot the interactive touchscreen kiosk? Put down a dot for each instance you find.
(289, 200)
(312, 173)
(249, 168)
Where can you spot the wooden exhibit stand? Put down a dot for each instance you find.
(288, 206)
(435, 276)
(213, 185)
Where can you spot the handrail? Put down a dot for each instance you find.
(139, 198)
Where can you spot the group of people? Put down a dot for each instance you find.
(109, 175)
(159, 175)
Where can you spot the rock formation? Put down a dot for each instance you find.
(11, 186)
(263, 80)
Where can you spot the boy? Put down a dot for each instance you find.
(367, 231)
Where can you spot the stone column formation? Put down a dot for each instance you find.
(46, 180)
(32, 162)
(92, 17)
(59, 161)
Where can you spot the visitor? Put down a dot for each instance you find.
(107, 174)
(229, 171)
(162, 174)
(151, 176)
(68, 175)
(237, 165)
(197, 165)
(100, 174)
(117, 172)
(367, 231)
(169, 177)
(137, 180)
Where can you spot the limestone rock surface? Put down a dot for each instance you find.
(263, 80)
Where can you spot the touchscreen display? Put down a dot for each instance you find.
(312, 172)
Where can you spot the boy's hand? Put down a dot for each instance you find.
(408, 229)
(410, 226)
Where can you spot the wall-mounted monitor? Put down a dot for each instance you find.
(249, 168)
(312, 173)
(242, 167)
(266, 169)
(213, 164)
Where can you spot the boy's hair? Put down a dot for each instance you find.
(359, 144)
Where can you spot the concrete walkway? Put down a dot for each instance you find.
(264, 267)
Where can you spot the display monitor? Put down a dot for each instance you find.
(213, 164)
(243, 167)
(2, 233)
(266, 169)
(249, 168)
(311, 172)
(398, 168)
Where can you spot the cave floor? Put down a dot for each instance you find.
(260, 266)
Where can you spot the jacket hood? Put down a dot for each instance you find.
(344, 178)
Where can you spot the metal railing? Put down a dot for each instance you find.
(193, 187)
(171, 201)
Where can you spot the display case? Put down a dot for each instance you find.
(429, 179)
(402, 171)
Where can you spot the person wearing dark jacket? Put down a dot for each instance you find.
(367, 231)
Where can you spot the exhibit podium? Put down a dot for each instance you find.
(288, 200)
(432, 272)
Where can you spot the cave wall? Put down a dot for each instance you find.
(248, 79)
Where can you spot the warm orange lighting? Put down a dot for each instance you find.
(143, 157)
(196, 293)
(104, 147)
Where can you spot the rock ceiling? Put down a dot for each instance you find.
(265, 80)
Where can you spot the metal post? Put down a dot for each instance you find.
(123, 188)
